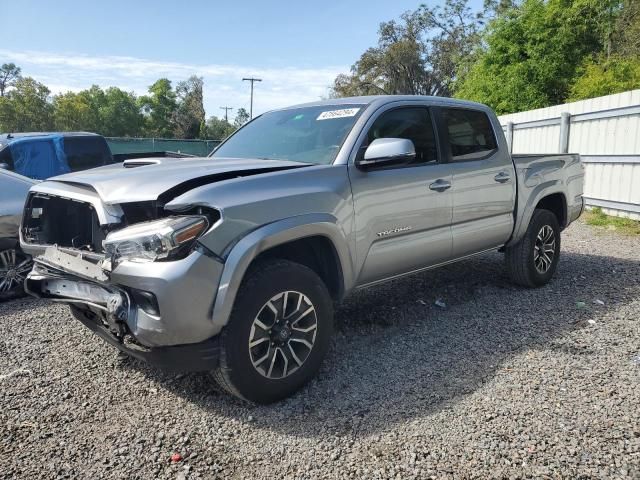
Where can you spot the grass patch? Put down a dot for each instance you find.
(597, 218)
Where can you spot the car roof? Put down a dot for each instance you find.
(379, 100)
(8, 138)
(11, 136)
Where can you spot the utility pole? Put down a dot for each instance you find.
(226, 113)
(252, 80)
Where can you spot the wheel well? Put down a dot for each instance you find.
(316, 253)
(556, 204)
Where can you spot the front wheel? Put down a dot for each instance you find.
(533, 260)
(14, 267)
(278, 333)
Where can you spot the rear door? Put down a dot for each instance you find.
(484, 189)
(402, 213)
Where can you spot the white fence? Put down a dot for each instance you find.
(604, 130)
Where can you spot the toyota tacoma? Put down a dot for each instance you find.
(232, 263)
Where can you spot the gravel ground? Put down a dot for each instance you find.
(502, 382)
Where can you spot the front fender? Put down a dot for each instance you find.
(271, 235)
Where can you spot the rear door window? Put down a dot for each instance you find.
(470, 134)
(84, 153)
(37, 159)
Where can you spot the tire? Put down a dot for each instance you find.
(524, 265)
(260, 373)
(14, 267)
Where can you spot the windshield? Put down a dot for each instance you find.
(309, 135)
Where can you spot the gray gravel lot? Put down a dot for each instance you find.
(503, 382)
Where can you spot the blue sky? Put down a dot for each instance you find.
(297, 47)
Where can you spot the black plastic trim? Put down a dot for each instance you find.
(192, 357)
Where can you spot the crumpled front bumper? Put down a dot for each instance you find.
(163, 308)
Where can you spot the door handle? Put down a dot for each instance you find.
(502, 177)
(440, 185)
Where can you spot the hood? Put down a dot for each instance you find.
(165, 178)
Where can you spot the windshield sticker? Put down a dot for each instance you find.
(345, 112)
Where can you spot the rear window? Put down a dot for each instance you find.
(86, 152)
(471, 136)
(37, 158)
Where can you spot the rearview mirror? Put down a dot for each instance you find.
(383, 151)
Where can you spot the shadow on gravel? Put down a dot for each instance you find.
(17, 305)
(396, 356)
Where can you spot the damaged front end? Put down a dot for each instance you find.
(71, 279)
(134, 274)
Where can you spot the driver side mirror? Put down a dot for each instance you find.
(387, 151)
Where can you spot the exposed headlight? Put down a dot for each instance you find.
(154, 240)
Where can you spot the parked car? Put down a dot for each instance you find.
(25, 159)
(232, 264)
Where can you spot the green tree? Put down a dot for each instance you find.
(26, 107)
(242, 117)
(417, 55)
(159, 108)
(605, 77)
(110, 112)
(189, 113)
(626, 33)
(218, 128)
(120, 114)
(534, 52)
(74, 111)
(203, 131)
(9, 75)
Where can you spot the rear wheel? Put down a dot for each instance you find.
(14, 267)
(278, 333)
(533, 260)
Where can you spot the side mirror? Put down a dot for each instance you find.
(384, 151)
(4, 166)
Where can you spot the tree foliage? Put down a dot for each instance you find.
(111, 112)
(417, 55)
(9, 75)
(514, 55)
(219, 128)
(165, 112)
(74, 111)
(242, 117)
(625, 37)
(159, 108)
(189, 113)
(533, 54)
(26, 107)
(605, 77)
(120, 115)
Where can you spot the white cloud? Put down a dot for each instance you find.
(222, 83)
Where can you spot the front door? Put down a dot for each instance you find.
(402, 213)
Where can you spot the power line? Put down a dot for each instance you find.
(252, 80)
(226, 113)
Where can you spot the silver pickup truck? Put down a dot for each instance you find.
(232, 263)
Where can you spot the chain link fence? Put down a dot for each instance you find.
(200, 148)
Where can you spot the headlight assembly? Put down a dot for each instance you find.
(155, 240)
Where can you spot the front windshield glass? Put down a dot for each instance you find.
(308, 135)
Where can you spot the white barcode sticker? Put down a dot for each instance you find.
(345, 112)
